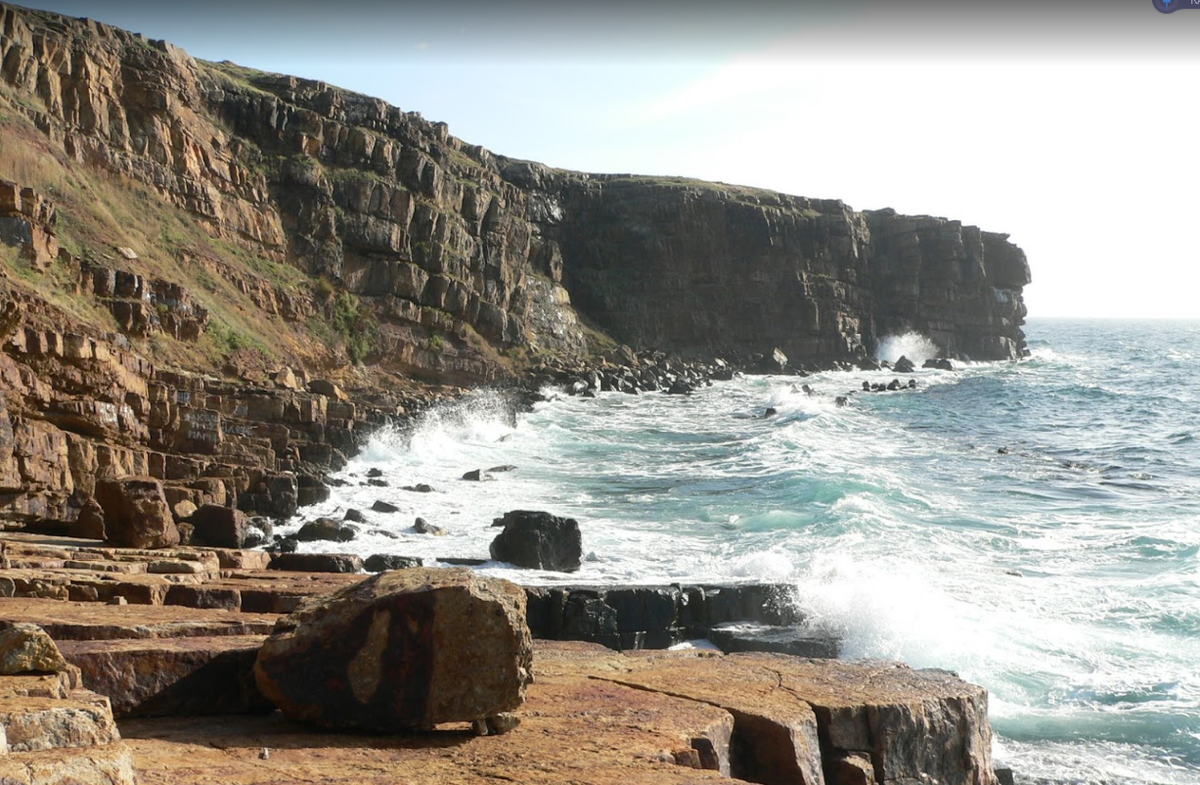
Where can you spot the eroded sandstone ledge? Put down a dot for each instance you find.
(591, 714)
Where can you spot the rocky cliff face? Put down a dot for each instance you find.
(694, 265)
(316, 229)
(443, 237)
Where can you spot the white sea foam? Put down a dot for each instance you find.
(913, 345)
(1071, 597)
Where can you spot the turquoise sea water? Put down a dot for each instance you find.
(1034, 526)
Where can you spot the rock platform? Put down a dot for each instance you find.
(597, 716)
(178, 680)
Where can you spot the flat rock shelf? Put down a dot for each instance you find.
(178, 678)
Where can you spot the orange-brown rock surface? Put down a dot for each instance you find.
(55, 732)
(403, 649)
(590, 715)
(594, 716)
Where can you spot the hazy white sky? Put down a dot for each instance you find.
(1075, 132)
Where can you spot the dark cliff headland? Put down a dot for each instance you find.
(217, 282)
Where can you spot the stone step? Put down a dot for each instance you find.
(41, 685)
(149, 677)
(65, 621)
(110, 764)
(81, 719)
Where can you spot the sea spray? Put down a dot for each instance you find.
(1029, 525)
(914, 346)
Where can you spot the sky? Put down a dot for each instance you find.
(1073, 127)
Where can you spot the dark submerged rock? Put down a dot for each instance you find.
(423, 526)
(326, 529)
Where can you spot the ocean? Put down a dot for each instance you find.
(1033, 526)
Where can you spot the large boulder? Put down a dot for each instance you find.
(219, 527)
(538, 540)
(136, 513)
(401, 650)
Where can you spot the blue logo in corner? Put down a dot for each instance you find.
(1167, 6)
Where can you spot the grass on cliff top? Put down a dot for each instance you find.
(99, 212)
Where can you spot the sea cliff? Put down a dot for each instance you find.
(218, 282)
(190, 244)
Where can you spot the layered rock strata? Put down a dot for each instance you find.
(52, 730)
(436, 258)
(447, 237)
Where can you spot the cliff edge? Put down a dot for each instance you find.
(450, 247)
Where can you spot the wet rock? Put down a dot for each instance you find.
(507, 467)
(219, 527)
(794, 640)
(405, 649)
(382, 562)
(326, 529)
(462, 561)
(775, 362)
(680, 387)
(382, 506)
(255, 537)
(284, 544)
(136, 513)
(354, 516)
(939, 363)
(384, 533)
(317, 562)
(904, 365)
(538, 540)
(477, 475)
(423, 526)
(418, 488)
